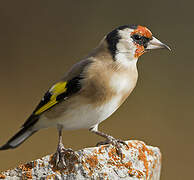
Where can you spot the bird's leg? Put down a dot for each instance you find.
(59, 155)
(109, 139)
(63, 156)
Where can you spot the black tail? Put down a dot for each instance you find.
(18, 139)
(26, 131)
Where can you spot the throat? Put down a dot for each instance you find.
(126, 59)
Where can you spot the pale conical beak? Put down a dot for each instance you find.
(156, 44)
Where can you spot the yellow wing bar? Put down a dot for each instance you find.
(55, 90)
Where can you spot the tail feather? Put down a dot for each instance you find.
(18, 139)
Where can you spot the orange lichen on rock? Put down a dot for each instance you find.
(52, 176)
(113, 154)
(85, 167)
(144, 148)
(26, 170)
(25, 167)
(142, 157)
(128, 165)
(130, 145)
(137, 161)
(131, 172)
(100, 150)
(154, 164)
(2, 176)
(116, 161)
(139, 174)
(92, 161)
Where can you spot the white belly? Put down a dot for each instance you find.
(87, 116)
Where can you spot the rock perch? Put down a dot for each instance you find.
(139, 161)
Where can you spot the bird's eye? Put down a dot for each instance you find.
(141, 40)
(136, 37)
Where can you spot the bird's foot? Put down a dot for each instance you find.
(59, 157)
(63, 157)
(116, 143)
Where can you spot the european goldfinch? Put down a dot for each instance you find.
(93, 88)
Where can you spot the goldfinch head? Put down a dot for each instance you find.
(132, 39)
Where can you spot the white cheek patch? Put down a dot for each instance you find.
(125, 48)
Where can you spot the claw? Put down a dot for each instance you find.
(109, 140)
(115, 142)
(102, 143)
(59, 157)
(123, 142)
(63, 157)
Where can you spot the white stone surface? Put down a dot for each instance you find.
(139, 162)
